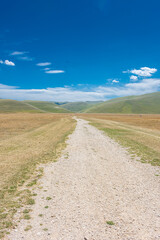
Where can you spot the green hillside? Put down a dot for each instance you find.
(47, 106)
(148, 103)
(13, 106)
(79, 106)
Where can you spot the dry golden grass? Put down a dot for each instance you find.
(139, 133)
(151, 121)
(28, 139)
(17, 123)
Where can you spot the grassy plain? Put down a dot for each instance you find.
(139, 133)
(27, 140)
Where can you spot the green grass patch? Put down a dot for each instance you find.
(30, 201)
(26, 211)
(27, 216)
(48, 198)
(110, 222)
(28, 228)
(3, 216)
(32, 183)
(45, 229)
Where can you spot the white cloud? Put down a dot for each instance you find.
(54, 71)
(115, 81)
(43, 64)
(51, 94)
(133, 78)
(142, 72)
(145, 85)
(17, 53)
(9, 63)
(138, 88)
(85, 94)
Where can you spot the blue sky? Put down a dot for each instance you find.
(67, 50)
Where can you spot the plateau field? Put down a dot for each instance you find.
(70, 175)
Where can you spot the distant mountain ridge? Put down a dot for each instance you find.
(79, 106)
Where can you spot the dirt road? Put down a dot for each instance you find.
(95, 181)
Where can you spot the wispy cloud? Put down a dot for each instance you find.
(54, 71)
(43, 64)
(146, 85)
(51, 94)
(7, 62)
(137, 88)
(15, 53)
(87, 94)
(142, 72)
(25, 58)
(21, 56)
(46, 69)
(2, 86)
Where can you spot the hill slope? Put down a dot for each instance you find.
(79, 106)
(12, 106)
(148, 103)
(47, 106)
